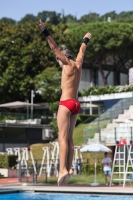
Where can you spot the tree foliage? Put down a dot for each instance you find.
(91, 17)
(27, 63)
(56, 18)
(8, 20)
(28, 18)
(111, 45)
(24, 53)
(49, 84)
(107, 90)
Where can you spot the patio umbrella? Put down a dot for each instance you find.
(95, 148)
(17, 104)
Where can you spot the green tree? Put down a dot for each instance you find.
(91, 17)
(49, 84)
(28, 18)
(53, 17)
(8, 21)
(105, 17)
(109, 41)
(71, 18)
(125, 17)
(24, 53)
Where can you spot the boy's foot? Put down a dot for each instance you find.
(67, 178)
(61, 179)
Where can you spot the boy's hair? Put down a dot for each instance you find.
(66, 52)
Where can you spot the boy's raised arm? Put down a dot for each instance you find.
(52, 43)
(82, 49)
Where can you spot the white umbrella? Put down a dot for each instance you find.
(17, 104)
(95, 148)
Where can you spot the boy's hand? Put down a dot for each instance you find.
(41, 25)
(87, 35)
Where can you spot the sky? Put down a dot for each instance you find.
(17, 9)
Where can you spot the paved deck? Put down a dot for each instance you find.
(6, 181)
(12, 185)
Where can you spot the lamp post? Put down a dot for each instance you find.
(32, 96)
(27, 101)
(90, 103)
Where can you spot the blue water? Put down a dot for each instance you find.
(56, 196)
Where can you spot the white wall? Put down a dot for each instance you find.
(123, 79)
(85, 80)
(10, 173)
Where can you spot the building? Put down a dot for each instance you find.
(22, 135)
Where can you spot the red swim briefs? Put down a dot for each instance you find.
(72, 104)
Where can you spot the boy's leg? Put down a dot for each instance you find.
(73, 119)
(63, 120)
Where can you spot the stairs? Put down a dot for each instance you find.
(115, 123)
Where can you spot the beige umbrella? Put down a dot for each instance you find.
(17, 104)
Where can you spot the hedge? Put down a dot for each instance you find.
(8, 161)
(90, 169)
(107, 90)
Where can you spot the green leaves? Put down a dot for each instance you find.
(24, 54)
(107, 90)
(110, 41)
(49, 83)
(27, 63)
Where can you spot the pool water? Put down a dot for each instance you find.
(60, 196)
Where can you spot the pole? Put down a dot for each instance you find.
(95, 183)
(115, 133)
(27, 101)
(111, 115)
(32, 96)
(95, 170)
(90, 103)
(99, 112)
(19, 172)
(122, 106)
(131, 132)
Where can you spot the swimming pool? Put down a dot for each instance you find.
(60, 196)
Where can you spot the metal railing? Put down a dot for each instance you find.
(27, 173)
(45, 119)
(105, 118)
